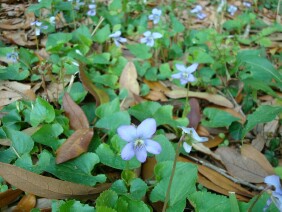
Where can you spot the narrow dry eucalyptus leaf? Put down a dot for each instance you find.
(75, 114)
(214, 98)
(241, 166)
(99, 95)
(75, 145)
(46, 186)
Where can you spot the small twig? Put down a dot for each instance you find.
(224, 173)
(98, 25)
(16, 152)
(277, 13)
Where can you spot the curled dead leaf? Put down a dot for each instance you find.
(46, 186)
(75, 145)
(9, 196)
(214, 98)
(26, 203)
(77, 117)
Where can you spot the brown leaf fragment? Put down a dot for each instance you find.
(9, 196)
(259, 142)
(214, 98)
(77, 117)
(250, 152)
(241, 166)
(100, 95)
(12, 24)
(26, 203)
(75, 145)
(213, 142)
(194, 115)
(18, 37)
(46, 186)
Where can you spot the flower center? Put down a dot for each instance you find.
(185, 75)
(138, 144)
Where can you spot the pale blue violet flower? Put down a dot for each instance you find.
(139, 140)
(232, 9)
(197, 9)
(150, 37)
(185, 73)
(276, 195)
(117, 38)
(201, 16)
(194, 138)
(155, 16)
(78, 4)
(38, 27)
(92, 10)
(247, 4)
(52, 20)
(13, 56)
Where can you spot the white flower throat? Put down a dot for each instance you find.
(138, 143)
(185, 75)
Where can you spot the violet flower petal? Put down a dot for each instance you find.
(274, 180)
(157, 35)
(192, 68)
(147, 128)
(177, 76)
(153, 146)
(187, 147)
(127, 133)
(180, 67)
(147, 33)
(141, 154)
(128, 151)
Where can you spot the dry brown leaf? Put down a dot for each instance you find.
(202, 131)
(46, 186)
(128, 81)
(156, 96)
(202, 148)
(9, 196)
(75, 145)
(100, 95)
(213, 142)
(241, 166)
(18, 37)
(194, 115)
(26, 203)
(250, 152)
(12, 24)
(214, 98)
(259, 142)
(77, 117)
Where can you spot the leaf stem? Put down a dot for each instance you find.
(172, 172)
(186, 106)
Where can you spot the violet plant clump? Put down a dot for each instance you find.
(185, 73)
(117, 38)
(276, 195)
(150, 37)
(139, 140)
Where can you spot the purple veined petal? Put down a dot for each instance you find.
(38, 23)
(176, 76)
(180, 67)
(127, 133)
(157, 35)
(146, 128)
(191, 78)
(143, 40)
(147, 33)
(115, 34)
(183, 81)
(274, 180)
(150, 42)
(187, 147)
(156, 20)
(156, 11)
(194, 134)
(197, 9)
(92, 6)
(141, 154)
(277, 199)
(128, 151)
(122, 40)
(117, 42)
(151, 17)
(153, 146)
(91, 12)
(201, 16)
(192, 68)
